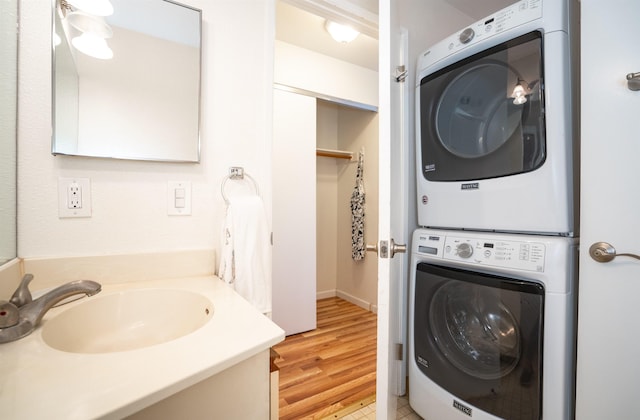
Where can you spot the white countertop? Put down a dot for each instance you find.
(37, 381)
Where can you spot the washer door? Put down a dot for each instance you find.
(475, 330)
(483, 117)
(479, 337)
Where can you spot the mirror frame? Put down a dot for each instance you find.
(8, 151)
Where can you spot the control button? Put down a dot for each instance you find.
(451, 46)
(487, 253)
(467, 35)
(464, 250)
(488, 28)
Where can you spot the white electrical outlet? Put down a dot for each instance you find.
(74, 197)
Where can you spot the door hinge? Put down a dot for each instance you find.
(399, 351)
(401, 73)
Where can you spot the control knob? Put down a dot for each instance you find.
(467, 35)
(464, 250)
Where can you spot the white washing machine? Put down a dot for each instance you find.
(492, 326)
(495, 123)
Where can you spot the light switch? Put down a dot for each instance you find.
(179, 198)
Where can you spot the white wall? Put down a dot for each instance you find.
(358, 280)
(128, 197)
(304, 69)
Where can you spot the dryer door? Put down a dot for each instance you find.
(479, 337)
(483, 117)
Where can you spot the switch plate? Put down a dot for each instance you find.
(179, 198)
(74, 197)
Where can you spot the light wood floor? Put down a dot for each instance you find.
(330, 368)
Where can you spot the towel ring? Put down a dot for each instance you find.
(235, 174)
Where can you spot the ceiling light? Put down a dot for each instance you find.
(341, 33)
(85, 22)
(95, 7)
(92, 45)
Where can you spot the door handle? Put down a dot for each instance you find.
(604, 252)
(633, 81)
(387, 249)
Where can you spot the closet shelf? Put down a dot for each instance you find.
(338, 154)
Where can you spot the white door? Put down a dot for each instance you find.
(294, 224)
(608, 307)
(393, 202)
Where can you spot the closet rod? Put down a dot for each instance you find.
(339, 154)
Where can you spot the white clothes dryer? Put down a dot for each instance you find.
(495, 124)
(492, 326)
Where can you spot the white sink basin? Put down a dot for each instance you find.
(127, 320)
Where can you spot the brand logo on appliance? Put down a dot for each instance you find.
(434, 238)
(423, 362)
(470, 186)
(466, 410)
(430, 167)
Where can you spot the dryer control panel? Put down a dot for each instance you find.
(512, 16)
(476, 250)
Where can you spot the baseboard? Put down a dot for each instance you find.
(326, 294)
(349, 298)
(356, 301)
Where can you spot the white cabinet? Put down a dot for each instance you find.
(222, 396)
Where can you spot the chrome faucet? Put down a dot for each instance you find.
(21, 314)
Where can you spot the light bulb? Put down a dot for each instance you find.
(519, 95)
(341, 33)
(92, 45)
(85, 22)
(94, 7)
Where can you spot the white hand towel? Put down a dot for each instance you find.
(246, 251)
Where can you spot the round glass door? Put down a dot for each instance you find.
(474, 330)
(475, 115)
(483, 116)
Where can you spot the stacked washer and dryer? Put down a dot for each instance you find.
(493, 271)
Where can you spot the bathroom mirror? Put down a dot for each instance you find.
(141, 104)
(8, 114)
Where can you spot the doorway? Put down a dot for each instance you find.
(326, 96)
(338, 125)
(354, 132)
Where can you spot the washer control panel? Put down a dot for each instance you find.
(477, 250)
